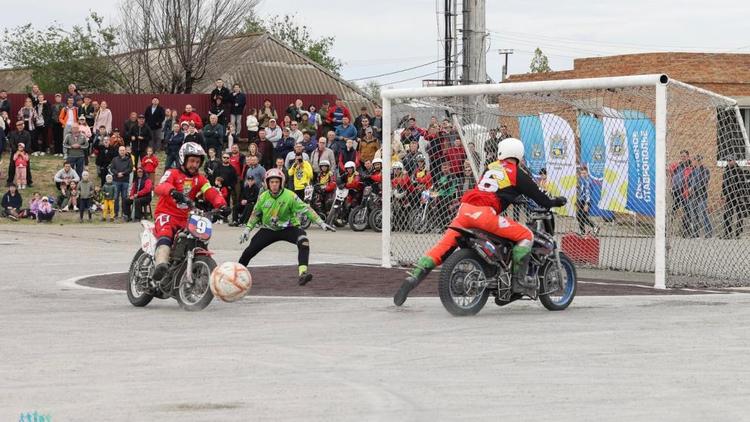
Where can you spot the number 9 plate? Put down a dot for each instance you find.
(200, 227)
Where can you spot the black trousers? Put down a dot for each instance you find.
(241, 213)
(84, 205)
(266, 237)
(57, 137)
(734, 210)
(583, 217)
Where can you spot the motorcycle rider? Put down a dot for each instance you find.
(325, 184)
(177, 187)
(400, 179)
(277, 212)
(352, 181)
(374, 176)
(480, 208)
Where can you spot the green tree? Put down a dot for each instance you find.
(372, 89)
(58, 57)
(299, 38)
(540, 63)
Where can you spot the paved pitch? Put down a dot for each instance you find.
(82, 354)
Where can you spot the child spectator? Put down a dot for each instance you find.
(219, 184)
(108, 199)
(21, 159)
(97, 198)
(150, 162)
(36, 200)
(85, 189)
(45, 211)
(73, 195)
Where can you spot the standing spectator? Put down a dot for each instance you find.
(414, 132)
(321, 153)
(473, 154)
(140, 195)
(87, 111)
(266, 114)
(679, 173)
(68, 117)
(362, 116)
(192, 135)
(247, 199)
(468, 181)
(455, 157)
(698, 199)
(86, 131)
(336, 145)
(364, 124)
(154, 115)
(85, 191)
(174, 141)
(252, 126)
(21, 160)
(324, 125)
(286, 122)
(213, 133)
(3, 138)
(285, 145)
(120, 169)
(105, 153)
(27, 115)
(101, 133)
(294, 111)
(237, 101)
(238, 162)
(150, 163)
(301, 173)
(109, 193)
(128, 125)
(76, 144)
(73, 94)
(337, 113)
(227, 172)
(308, 143)
(57, 126)
(116, 139)
(298, 150)
(12, 203)
(294, 131)
(273, 133)
(43, 121)
(733, 192)
(220, 91)
(218, 110)
(377, 123)
(255, 169)
(368, 146)
(313, 118)
(265, 150)
(252, 150)
(140, 138)
(346, 131)
(190, 116)
(349, 154)
(212, 164)
(4, 101)
(20, 136)
(172, 117)
(583, 201)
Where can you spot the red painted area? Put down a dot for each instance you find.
(581, 249)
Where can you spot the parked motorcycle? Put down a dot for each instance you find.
(190, 266)
(360, 216)
(482, 267)
(304, 220)
(431, 214)
(338, 214)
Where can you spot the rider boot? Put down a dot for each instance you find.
(419, 273)
(304, 276)
(521, 258)
(161, 261)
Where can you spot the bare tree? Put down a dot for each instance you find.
(170, 45)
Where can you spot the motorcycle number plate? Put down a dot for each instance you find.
(341, 194)
(200, 227)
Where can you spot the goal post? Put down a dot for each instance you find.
(627, 132)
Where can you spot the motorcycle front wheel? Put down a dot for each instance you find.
(376, 220)
(141, 269)
(558, 288)
(196, 295)
(419, 221)
(358, 218)
(304, 222)
(463, 283)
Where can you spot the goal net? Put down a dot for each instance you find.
(655, 171)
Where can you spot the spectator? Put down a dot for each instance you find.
(76, 144)
(325, 125)
(83, 127)
(190, 116)
(227, 172)
(679, 173)
(213, 133)
(422, 176)
(218, 109)
(45, 212)
(291, 156)
(474, 155)
(286, 122)
(285, 145)
(109, 193)
(248, 198)
(229, 135)
(368, 146)
(150, 163)
(65, 176)
(174, 141)
(294, 111)
(255, 169)
(33, 210)
(104, 117)
(336, 145)
(313, 118)
(97, 199)
(413, 133)
(237, 101)
(224, 191)
(120, 169)
(68, 200)
(21, 161)
(583, 202)
(265, 150)
(73, 94)
(85, 192)
(105, 152)
(266, 114)
(220, 92)
(98, 138)
(445, 187)
(349, 154)
(140, 138)
(86, 110)
(504, 134)
(128, 126)
(308, 143)
(377, 123)
(12, 203)
(116, 139)
(3, 138)
(697, 202)
(154, 116)
(252, 125)
(455, 157)
(140, 195)
(363, 126)
(57, 126)
(467, 181)
(294, 131)
(252, 150)
(212, 164)
(192, 135)
(171, 117)
(20, 136)
(301, 172)
(68, 118)
(4, 101)
(337, 113)
(410, 158)
(358, 122)
(273, 133)
(43, 122)
(734, 193)
(27, 115)
(238, 162)
(321, 153)
(346, 131)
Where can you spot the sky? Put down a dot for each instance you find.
(383, 36)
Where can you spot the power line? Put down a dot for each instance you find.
(402, 70)
(411, 79)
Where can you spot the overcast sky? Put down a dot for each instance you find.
(374, 37)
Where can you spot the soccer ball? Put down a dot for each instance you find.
(230, 281)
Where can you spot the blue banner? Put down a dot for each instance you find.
(641, 163)
(532, 136)
(593, 156)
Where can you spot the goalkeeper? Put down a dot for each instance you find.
(277, 212)
(480, 208)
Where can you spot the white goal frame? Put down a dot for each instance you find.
(658, 81)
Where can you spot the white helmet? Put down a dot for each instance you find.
(377, 161)
(397, 165)
(510, 148)
(350, 165)
(324, 163)
(190, 148)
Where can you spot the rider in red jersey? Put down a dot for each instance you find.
(177, 187)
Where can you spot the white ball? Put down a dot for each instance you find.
(230, 281)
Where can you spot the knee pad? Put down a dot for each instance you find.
(303, 242)
(526, 243)
(164, 241)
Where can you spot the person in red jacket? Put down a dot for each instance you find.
(422, 177)
(189, 115)
(400, 179)
(176, 190)
(337, 113)
(150, 162)
(325, 184)
(455, 156)
(353, 182)
(140, 193)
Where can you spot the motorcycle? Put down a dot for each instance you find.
(361, 215)
(190, 266)
(337, 215)
(482, 267)
(429, 215)
(304, 220)
(400, 210)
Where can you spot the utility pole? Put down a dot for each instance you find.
(474, 36)
(505, 52)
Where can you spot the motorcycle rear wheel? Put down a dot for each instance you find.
(141, 267)
(187, 296)
(457, 287)
(358, 218)
(376, 220)
(419, 225)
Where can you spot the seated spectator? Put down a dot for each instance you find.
(190, 116)
(68, 199)
(66, 175)
(139, 196)
(368, 146)
(248, 198)
(12, 203)
(36, 200)
(45, 211)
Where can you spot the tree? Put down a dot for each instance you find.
(297, 37)
(540, 63)
(57, 57)
(372, 89)
(170, 45)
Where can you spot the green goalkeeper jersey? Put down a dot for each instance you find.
(280, 212)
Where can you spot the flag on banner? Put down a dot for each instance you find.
(593, 156)
(614, 195)
(642, 163)
(560, 148)
(532, 137)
